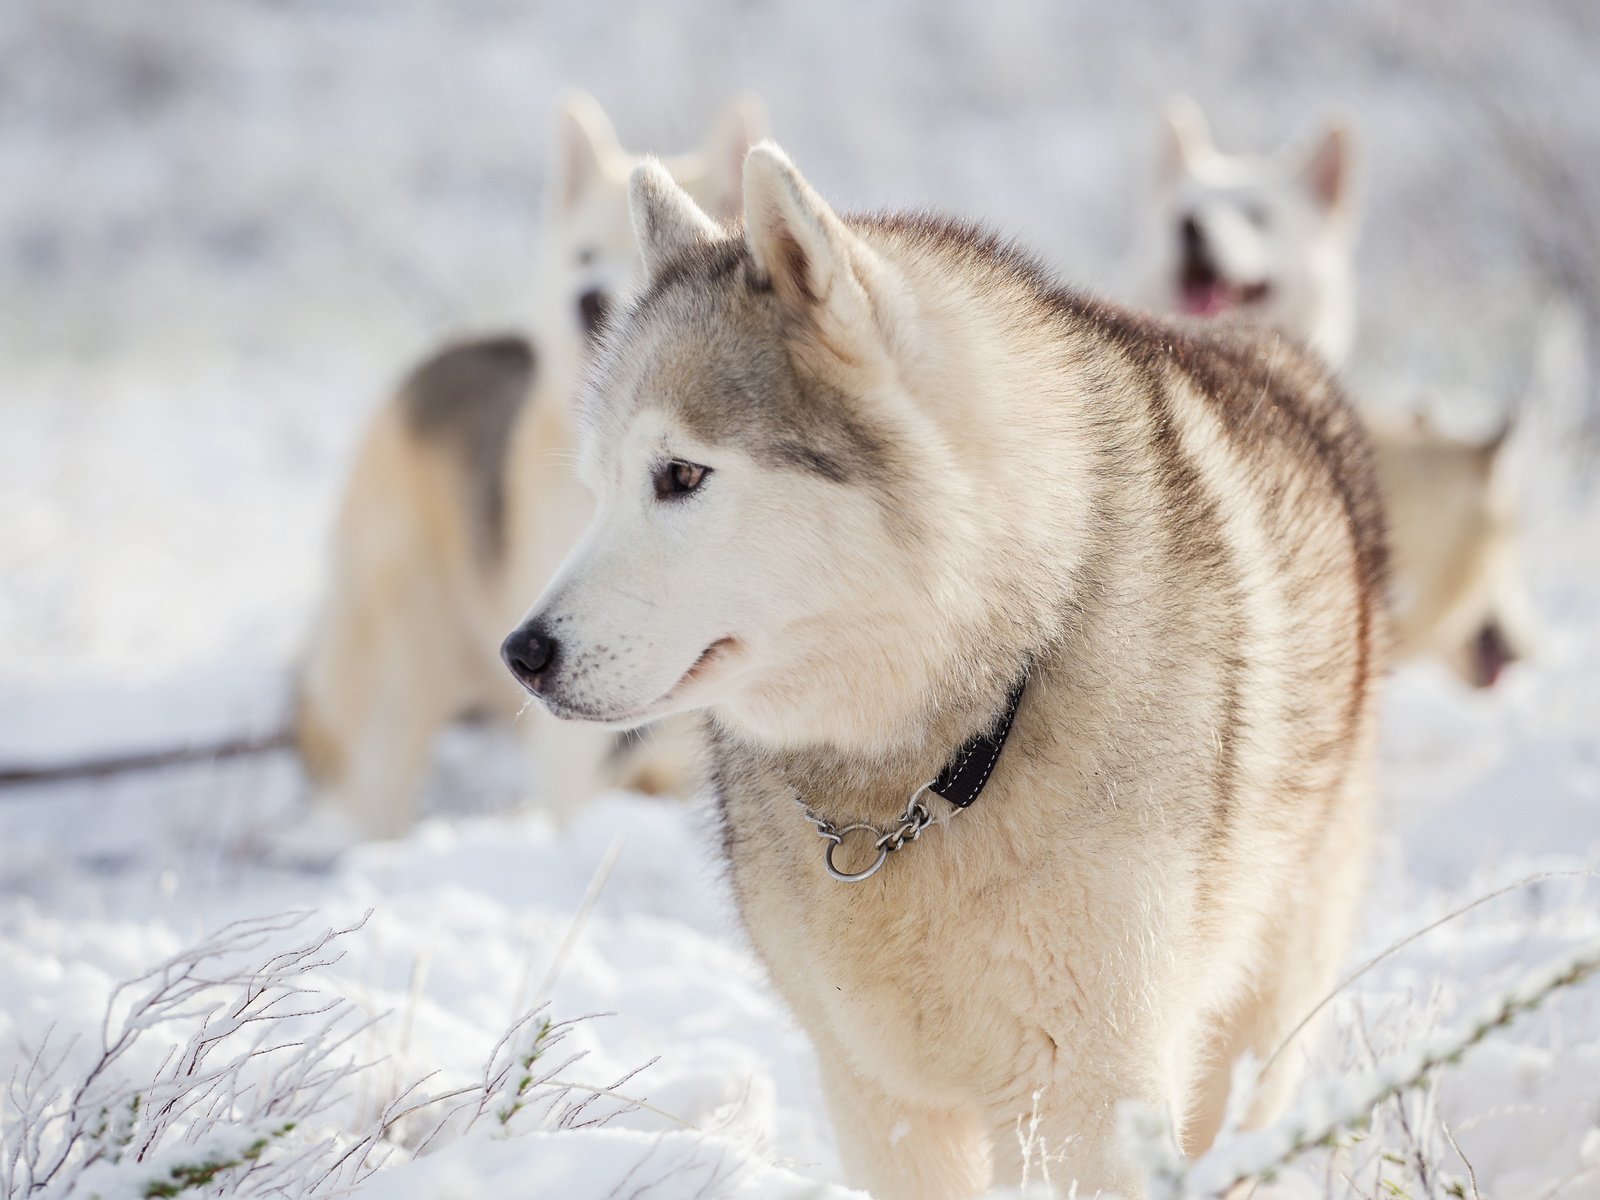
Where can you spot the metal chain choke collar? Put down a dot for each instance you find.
(912, 822)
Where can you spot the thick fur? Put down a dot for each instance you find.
(1265, 238)
(462, 500)
(928, 469)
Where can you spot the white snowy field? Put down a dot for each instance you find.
(225, 228)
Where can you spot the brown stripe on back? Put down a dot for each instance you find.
(1194, 534)
(1264, 388)
(466, 397)
(1333, 434)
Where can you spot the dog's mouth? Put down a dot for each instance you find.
(701, 667)
(1491, 655)
(1202, 292)
(709, 660)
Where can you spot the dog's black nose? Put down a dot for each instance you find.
(592, 306)
(529, 652)
(1194, 241)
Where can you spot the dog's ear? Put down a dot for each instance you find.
(1325, 168)
(741, 125)
(1187, 138)
(586, 148)
(666, 220)
(822, 273)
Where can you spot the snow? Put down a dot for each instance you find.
(468, 924)
(597, 1163)
(222, 235)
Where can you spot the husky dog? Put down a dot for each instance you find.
(1460, 597)
(461, 501)
(872, 492)
(1267, 238)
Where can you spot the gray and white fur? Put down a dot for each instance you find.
(853, 476)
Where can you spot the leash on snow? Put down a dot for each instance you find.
(244, 746)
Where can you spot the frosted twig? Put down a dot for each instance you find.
(1356, 1111)
(1396, 947)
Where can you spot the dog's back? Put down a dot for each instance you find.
(462, 403)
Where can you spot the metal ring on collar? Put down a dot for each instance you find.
(916, 801)
(852, 876)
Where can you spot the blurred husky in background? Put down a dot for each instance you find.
(1270, 239)
(871, 487)
(1454, 533)
(1457, 517)
(1266, 238)
(462, 500)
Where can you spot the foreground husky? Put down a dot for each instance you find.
(1061, 627)
(462, 501)
(1268, 238)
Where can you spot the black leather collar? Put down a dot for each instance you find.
(959, 784)
(964, 776)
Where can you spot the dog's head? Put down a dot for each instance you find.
(591, 251)
(1265, 238)
(1460, 595)
(750, 441)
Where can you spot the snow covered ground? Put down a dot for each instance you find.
(225, 227)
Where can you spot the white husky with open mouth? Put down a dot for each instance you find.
(876, 494)
(1268, 238)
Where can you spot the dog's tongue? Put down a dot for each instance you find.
(1206, 299)
(1493, 655)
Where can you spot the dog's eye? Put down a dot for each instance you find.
(678, 478)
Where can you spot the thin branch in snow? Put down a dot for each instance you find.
(1472, 1175)
(1268, 1151)
(219, 1103)
(1344, 984)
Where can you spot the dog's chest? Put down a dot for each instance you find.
(943, 972)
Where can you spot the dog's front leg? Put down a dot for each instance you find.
(897, 1150)
(1066, 1132)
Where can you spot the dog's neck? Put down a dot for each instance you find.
(855, 785)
